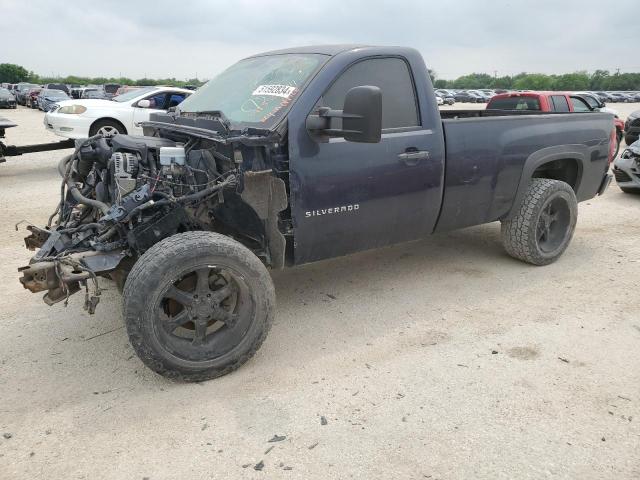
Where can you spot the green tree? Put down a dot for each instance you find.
(12, 73)
(571, 81)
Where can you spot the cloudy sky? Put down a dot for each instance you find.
(182, 39)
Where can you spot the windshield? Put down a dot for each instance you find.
(4, 90)
(125, 97)
(256, 90)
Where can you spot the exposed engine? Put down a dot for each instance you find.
(120, 196)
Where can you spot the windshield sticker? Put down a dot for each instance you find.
(284, 91)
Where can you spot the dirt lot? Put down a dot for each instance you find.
(441, 359)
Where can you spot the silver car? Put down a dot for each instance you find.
(626, 169)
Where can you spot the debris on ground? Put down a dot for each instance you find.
(269, 449)
(259, 466)
(312, 446)
(323, 420)
(563, 360)
(7, 435)
(277, 438)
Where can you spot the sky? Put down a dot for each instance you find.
(189, 38)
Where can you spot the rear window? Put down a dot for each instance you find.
(514, 103)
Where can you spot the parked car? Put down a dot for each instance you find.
(7, 100)
(94, 94)
(626, 169)
(31, 97)
(553, 102)
(468, 97)
(47, 98)
(111, 89)
(244, 177)
(632, 127)
(439, 100)
(57, 86)
(127, 89)
(447, 98)
(21, 92)
(122, 114)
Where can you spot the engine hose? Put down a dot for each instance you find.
(207, 191)
(73, 189)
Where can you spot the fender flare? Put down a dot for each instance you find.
(579, 153)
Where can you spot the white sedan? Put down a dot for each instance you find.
(122, 114)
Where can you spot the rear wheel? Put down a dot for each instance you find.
(542, 228)
(107, 128)
(197, 305)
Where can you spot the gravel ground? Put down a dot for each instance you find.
(441, 359)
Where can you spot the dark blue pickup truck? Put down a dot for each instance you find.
(290, 157)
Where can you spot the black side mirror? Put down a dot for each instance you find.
(361, 117)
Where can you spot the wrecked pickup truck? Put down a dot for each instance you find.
(291, 157)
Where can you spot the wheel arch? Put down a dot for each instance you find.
(110, 119)
(564, 162)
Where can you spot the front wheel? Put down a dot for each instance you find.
(542, 228)
(197, 305)
(106, 128)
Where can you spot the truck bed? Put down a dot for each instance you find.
(487, 152)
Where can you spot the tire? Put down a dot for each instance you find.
(194, 350)
(542, 228)
(107, 127)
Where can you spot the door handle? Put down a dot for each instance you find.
(413, 157)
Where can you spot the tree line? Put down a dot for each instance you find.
(598, 80)
(11, 73)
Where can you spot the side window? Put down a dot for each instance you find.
(157, 100)
(560, 103)
(175, 99)
(579, 105)
(391, 75)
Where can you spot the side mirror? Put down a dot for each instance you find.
(361, 117)
(144, 104)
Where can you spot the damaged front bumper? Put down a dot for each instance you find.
(61, 277)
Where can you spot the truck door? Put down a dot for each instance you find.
(347, 197)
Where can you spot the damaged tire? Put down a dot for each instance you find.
(197, 305)
(542, 228)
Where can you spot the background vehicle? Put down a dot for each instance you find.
(94, 94)
(126, 89)
(31, 97)
(122, 114)
(632, 128)
(57, 86)
(246, 174)
(554, 102)
(111, 89)
(47, 98)
(447, 98)
(21, 92)
(468, 97)
(626, 169)
(7, 100)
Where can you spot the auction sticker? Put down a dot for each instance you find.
(284, 91)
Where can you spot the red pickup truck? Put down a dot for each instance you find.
(553, 102)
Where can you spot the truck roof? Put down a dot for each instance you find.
(321, 49)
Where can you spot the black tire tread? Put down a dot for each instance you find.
(517, 231)
(152, 261)
(103, 122)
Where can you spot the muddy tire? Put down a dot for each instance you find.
(542, 228)
(197, 305)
